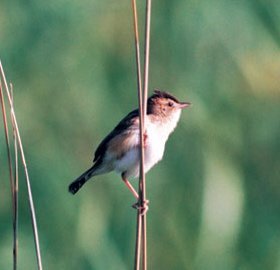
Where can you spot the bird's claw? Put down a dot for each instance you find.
(142, 208)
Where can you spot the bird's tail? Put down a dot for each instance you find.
(80, 181)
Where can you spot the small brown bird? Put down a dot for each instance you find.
(119, 151)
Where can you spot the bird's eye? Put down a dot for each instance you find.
(170, 104)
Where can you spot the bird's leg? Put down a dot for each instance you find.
(143, 208)
(130, 187)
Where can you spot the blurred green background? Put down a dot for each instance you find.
(215, 197)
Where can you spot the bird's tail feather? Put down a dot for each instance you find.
(80, 181)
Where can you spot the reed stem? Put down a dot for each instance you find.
(30, 197)
(141, 237)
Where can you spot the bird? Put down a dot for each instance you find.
(119, 151)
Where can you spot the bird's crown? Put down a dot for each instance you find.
(163, 94)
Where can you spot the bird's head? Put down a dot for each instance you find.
(165, 105)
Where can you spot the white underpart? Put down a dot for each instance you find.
(157, 135)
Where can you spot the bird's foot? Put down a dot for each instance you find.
(143, 208)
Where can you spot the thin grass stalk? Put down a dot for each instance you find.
(141, 127)
(142, 97)
(145, 96)
(15, 223)
(30, 197)
(6, 130)
(10, 164)
(147, 52)
(15, 195)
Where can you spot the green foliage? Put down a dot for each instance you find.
(214, 199)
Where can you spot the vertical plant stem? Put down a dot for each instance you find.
(30, 197)
(147, 53)
(15, 191)
(142, 97)
(145, 94)
(6, 129)
(15, 222)
(140, 104)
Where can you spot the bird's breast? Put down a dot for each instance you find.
(156, 136)
(155, 144)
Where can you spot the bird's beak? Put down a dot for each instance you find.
(183, 105)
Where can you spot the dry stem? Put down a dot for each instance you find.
(142, 98)
(19, 142)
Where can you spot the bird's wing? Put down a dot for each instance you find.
(116, 138)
